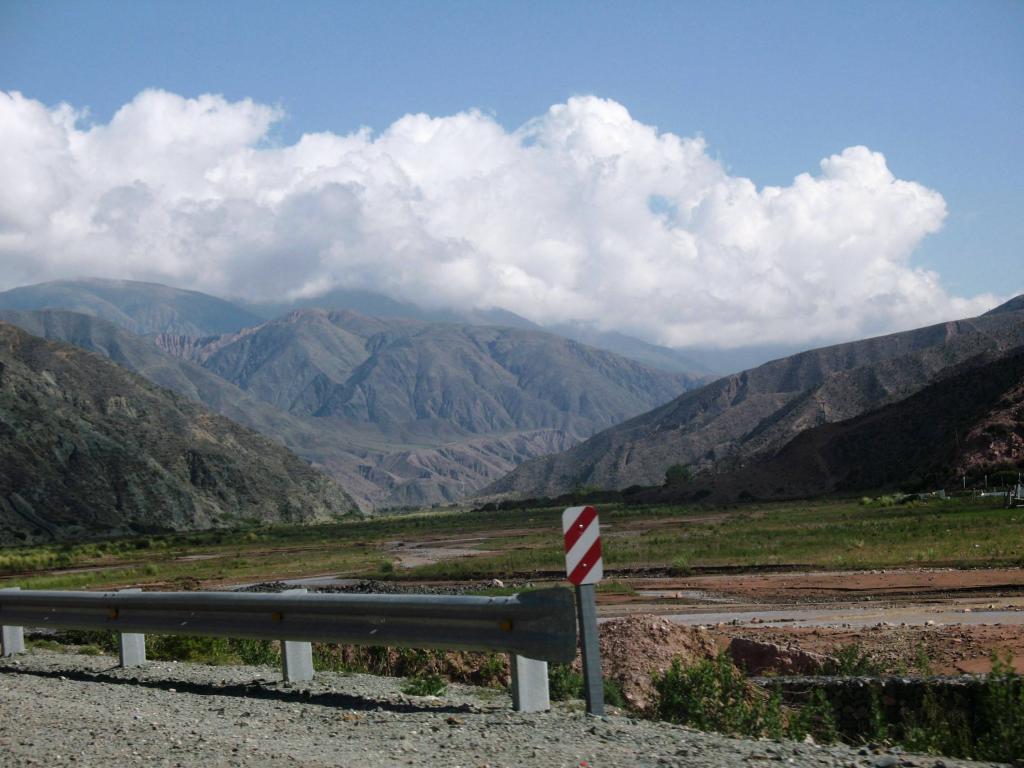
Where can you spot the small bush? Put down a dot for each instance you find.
(678, 474)
(852, 661)
(815, 718)
(613, 694)
(44, 644)
(564, 682)
(681, 564)
(1003, 712)
(200, 650)
(937, 729)
(715, 695)
(101, 638)
(922, 663)
(427, 684)
(256, 652)
(493, 670)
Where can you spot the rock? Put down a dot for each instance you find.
(757, 658)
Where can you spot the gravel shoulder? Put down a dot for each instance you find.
(58, 709)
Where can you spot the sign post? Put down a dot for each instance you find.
(584, 567)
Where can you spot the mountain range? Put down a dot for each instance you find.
(90, 449)
(439, 407)
(399, 411)
(747, 418)
(968, 424)
(141, 308)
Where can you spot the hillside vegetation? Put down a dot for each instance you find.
(90, 449)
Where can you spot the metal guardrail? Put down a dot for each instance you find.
(534, 627)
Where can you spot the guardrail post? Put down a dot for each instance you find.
(13, 638)
(296, 657)
(131, 647)
(529, 684)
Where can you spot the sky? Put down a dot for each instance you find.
(713, 174)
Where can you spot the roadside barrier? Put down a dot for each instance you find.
(533, 627)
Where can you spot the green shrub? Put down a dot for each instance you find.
(1003, 712)
(851, 661)
(256, 652)
(878, 725)
(681, 564)
(613, 694)
(564, 682)
(201, 650)
(922, 663)
(678, 474)
(44, 644)
(426, 684)
(815, 718)
(493, 670)
(714, 695)
(937, 728)
(101, 638)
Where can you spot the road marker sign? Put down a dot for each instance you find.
(585, 567)
(583, 562)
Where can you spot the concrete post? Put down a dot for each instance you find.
(131, 646)
(529, 684)
(12, 638)
(296, 657)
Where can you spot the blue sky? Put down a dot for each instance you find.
(773, 87)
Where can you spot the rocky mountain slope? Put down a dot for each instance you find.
(141, 308)
(403, 444)
(473, 379)
(971, 421)
(89, 448)
(446, 408)
(752, 415)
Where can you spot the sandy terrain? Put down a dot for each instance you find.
(959, 617)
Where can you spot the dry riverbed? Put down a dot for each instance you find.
(62, 709)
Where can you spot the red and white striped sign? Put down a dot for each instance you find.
(582, 545)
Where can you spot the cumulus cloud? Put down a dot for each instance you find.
(583, 214)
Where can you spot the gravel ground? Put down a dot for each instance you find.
(58, 709)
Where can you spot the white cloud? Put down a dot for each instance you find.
(582, 214)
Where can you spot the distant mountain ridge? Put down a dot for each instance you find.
(90, 449)
(969, 422)
(450, 434)
(478, 379)
(696, 360)
(141, 308)
(749, 416)
(449, 407)
(415, 411)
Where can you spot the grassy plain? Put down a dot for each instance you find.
(840, 534)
